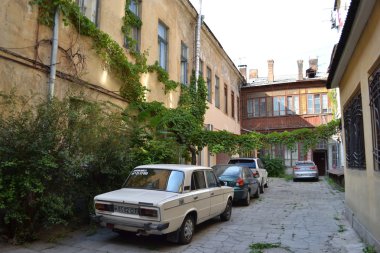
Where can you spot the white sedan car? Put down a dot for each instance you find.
(165, 199)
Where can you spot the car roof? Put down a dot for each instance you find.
(244, 158)
(181, 167)
(230, 165)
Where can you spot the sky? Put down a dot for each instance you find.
(254, 31)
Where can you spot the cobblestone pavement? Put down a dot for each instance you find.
(300, 216)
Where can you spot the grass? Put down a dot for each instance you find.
(287, 177)
(369, 249)
(259, 247)
(341, 228)
(334, 185)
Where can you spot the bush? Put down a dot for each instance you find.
(274, 166)
(53, 155)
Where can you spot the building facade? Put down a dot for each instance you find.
(286, 105)
(167, 36)
(355, 69)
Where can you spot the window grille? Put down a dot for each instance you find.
(374, 96)
(354, 135)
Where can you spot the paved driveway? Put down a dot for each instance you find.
(301, 217)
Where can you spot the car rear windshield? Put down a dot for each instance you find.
(250, 163)
(234, 171)
(305, 164)
(155, 179)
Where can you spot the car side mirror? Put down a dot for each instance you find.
(221, 183)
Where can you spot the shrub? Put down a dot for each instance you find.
(54, 156)
(274, 166)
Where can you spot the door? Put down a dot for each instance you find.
(319, 158)
(217, 204)
(200, 195)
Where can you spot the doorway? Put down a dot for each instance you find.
(320, 158)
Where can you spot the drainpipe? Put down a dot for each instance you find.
(53, 57)
(198, 43)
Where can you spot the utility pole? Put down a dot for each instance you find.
(198, 43)
(53, 56)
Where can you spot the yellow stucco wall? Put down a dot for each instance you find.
(21, 33)
(363, 186)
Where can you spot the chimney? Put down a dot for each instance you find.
(270, 71)
(313, 64)
(311, 72)
(243, 71)
(300, 69)
(253, 73)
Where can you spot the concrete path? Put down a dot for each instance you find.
(296, 216)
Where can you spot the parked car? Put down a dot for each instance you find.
(305, 169)
(241, 179)
(165, 199)
(257, 168)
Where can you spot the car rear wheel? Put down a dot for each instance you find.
(187, 230)
(226, 215)
(261, 187)
(247, 200)
(257, 194)
(266, 185)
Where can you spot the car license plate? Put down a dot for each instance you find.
(126, 209)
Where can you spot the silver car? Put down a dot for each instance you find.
(305, 170)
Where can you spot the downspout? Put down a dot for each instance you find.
(53, 58)
(198, 44)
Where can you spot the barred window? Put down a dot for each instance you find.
(353, 133)
(374, 96)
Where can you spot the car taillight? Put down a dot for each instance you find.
(148, 212)
(313, 168)
(239, 182)
(104, 207)
(296, 168)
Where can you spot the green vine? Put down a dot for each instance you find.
(109, 50)
(163, 77)
(130, 20)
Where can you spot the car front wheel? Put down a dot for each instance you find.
(187, 230)
(226, 215)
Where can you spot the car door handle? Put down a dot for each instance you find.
(212, 194)
(196, 197)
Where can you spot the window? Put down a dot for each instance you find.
(374, 96)
(211, 179)
(315, 105)
(354, 134)
(155, 179)
(225, 99)
(325, 106)
(292, 105)
(263, 107)
(162, 45)
(217, 92)
(89, 8)
(133, 42)
(238, 108)
(334, 155)
(310, 104)
(209, 87)
(198, 180)
(184, 63)
(232, 104)
(278, 106)
(201, 68)
(256, 107)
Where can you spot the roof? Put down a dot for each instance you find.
(357, 17)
